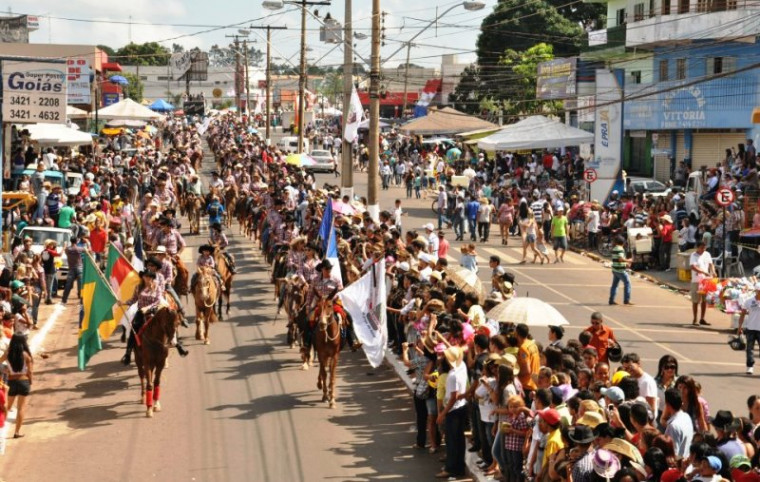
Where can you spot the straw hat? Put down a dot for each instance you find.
(454, 355)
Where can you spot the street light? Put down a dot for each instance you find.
(277, 5)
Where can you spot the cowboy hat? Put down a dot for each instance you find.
(204, 247)
(581, 434)
(509, 359)
(161, 249)
(591, 419)
(667, 218)
(297, 240)
(435, 305)
(605, 464)
(454, 355)
(624, 448)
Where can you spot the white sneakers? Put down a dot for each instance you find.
(750, 370)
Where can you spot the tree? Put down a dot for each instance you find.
(518, 25)
(332, 86)
(177, 48)
(149, 53)
(220, 56)
(108, 50)
(134, 89)
(524, 67)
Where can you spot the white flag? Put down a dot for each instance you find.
(355, 117)
(364, 300)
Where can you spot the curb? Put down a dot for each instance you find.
(470, 457)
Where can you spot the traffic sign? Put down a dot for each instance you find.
(589, 175)
(724, 196)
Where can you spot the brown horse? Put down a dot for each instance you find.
(182, 278)
(192, 208)
(327, 342)
(205, 294)
(230, 199)
(295, 307)
(154, 340)
(226, 274)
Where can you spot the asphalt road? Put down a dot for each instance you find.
(239, 409)
(658, 323)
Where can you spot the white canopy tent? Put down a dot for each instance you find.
(127, 109)
(75, 112)
(57, 135)
(535, 132)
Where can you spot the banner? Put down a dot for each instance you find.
(180, 63)
(14, 30)
(608, 134)
(78, 81)
(355, 117)
(555, 79)
(364, 300)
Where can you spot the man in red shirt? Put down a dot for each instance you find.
(443, 245)
(602, 336)
(665, 228)
(98, 238)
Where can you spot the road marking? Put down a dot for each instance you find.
(36, 343)
(609, 318)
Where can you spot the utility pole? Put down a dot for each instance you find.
(269, 29)
(406, 77)
(347, 155)
(374, 114)
(247, 85)
(302, 78)
(238, 93)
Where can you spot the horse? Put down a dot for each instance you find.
(192, 208)
(327, 343)
(182, 278)
(230, 199)
(205, 294)
(295, 307)
(226, 274)
(154, 340)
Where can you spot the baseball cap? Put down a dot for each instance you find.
(550, 416)
(615, 394)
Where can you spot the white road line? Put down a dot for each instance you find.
(607, 317)
(36, 342)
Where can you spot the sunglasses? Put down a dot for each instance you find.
(670, 367)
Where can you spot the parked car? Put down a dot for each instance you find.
(645, 185)
(325, 161)
(61, 236)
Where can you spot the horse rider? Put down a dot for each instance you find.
(215, 211)
(148, 295)
(169, 237)
(194, 186)
(165, 268)
(163, 194)
(218, 239)
(206, 260)
(216, 183)
(323, 286)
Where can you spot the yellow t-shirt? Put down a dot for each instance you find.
(554, 444)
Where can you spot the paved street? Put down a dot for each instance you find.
(658, 323)
(237, 410)
(240, 409)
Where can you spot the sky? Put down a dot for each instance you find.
(194, 23)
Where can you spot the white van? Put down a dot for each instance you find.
(290, 143)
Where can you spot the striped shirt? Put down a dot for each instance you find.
(172, 240)
(147, 297)
(618, 259)
(205, 261)
(167, 271)
(538, 210)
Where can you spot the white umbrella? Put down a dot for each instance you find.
(466, 280)
(531, 311)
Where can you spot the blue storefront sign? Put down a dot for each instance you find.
(110, 98)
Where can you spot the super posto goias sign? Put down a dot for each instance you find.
(34, 92)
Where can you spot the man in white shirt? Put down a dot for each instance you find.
(432, 239)
(443, 204)
(749, 324)
(702, 267)
(647, 385)
(454, 414)
(425, 266)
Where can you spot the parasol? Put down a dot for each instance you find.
(343, 208)
(531, 311)
(118, 79)
(466, 280)
(300, 160)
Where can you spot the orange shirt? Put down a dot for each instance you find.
(529, 361)
(600, 340)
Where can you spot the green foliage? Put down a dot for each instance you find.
(332, 86)
(149, 53)
(225, 56)
(523, 67)
(108, 50)
(133, 90)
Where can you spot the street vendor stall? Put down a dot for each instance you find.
(535, 132)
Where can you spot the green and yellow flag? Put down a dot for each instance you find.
(98, 322)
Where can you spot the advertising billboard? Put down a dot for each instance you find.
(555, 79)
